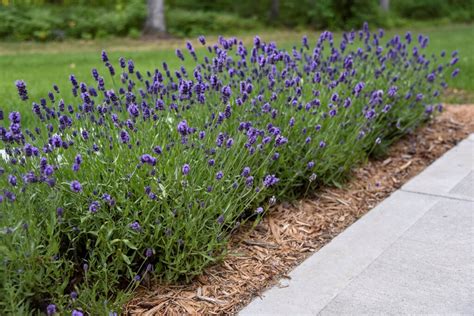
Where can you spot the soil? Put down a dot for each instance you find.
(257, 258)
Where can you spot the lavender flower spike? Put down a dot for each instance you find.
(21, 87)
(76, 186)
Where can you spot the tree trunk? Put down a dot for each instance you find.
(275, 10)
(385, 5)
(155, 23)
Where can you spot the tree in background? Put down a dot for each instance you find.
(275, 10)
(155, 23)
(385, 5)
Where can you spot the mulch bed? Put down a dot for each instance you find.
(257, 258)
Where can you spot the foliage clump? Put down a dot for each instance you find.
(146, 174)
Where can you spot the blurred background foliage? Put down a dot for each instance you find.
(58, 19)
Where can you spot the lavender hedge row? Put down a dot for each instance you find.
(145, 175)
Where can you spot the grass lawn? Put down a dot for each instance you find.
(43, 64)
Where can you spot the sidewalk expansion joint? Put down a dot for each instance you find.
(439, 195)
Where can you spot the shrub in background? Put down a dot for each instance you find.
(77, 21)
(53, 19)
(456, 10)
(319, 14)
(192, 23)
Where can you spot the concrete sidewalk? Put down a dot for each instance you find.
(412, 254)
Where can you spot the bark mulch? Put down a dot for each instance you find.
(257, 258)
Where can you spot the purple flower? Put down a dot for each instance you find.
(455, 73)
(85, 135)
(249, 181)
(185, 170)
(322, 144)
(148, 159)
(149, 268)
(157, 150)
(124, 137)
(14, 117)
(15, 129)
(358, 88)
(245, 172)
(183, 128)
(259, 210)
(104, 56)
(12, 180)
(211, 162)
(77, 313)
(270, 180)
(304, 41)
(78, 159)
(94, 207)
(133, 110)
(280, 140)
(21, 87)
(131, 66)
(29, 150)
(292, 122)
(149, 252)
(48, 170)
(107, 198)
(408, 37)
(76, 186)
(56, 141)
(370, 114)
(202, 40)
(60, 211)
(257, 41)
(135, 226)
(226, 93)
(51, 309)
(220, 219)
(386, 108)
(219, 175)
(73, 295)
(392, 91)
(310, 165)
(122, 62)
(179, 54)
(220, 139)
(10, 196)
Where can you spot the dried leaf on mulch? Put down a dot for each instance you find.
(257, 258)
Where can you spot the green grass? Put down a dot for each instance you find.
(43, 64)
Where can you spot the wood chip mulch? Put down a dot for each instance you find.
(257, 258)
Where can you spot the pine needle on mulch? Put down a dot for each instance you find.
(288, 234)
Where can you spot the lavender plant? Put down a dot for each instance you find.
(145, 175)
